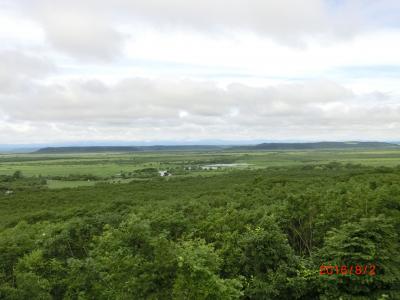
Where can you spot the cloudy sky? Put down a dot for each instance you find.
(179, 70)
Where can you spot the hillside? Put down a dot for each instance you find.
(322, 145)
(263, 146)
(86, 149)
(98, 149)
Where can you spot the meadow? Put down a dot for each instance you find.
(110, 164)
(224, 225)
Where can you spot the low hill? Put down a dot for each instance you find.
(86, 149)
(322, 145)
(264, 146)
(97, 149)
(181, 148)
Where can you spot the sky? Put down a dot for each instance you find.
(186, 71)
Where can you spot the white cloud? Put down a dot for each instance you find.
(163, 108)
(90, 29)
(140, 70)
(18, 70)
(77, 29)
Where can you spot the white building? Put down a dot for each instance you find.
(164, 173)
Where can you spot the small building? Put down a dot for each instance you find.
(164, 173)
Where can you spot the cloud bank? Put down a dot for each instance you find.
(191, 70)
(140, 109)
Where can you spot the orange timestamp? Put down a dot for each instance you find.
(359, 270)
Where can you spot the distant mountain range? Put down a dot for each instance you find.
(263, 146)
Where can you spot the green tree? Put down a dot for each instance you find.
(369, 241)
(197, 274)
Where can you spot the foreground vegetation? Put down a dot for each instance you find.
(259, 232)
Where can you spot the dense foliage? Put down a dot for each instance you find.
(250, 234)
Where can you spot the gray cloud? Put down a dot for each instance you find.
(18, 69)
(77, 29)
(88, 30)
(164, 109)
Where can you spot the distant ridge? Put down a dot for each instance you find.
(321, 145)
(91, 149)
(263, 146)
(99, 149)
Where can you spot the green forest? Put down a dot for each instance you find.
(281, 225)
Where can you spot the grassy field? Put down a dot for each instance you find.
(69, 170)
(59, 184)
(107, 165)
